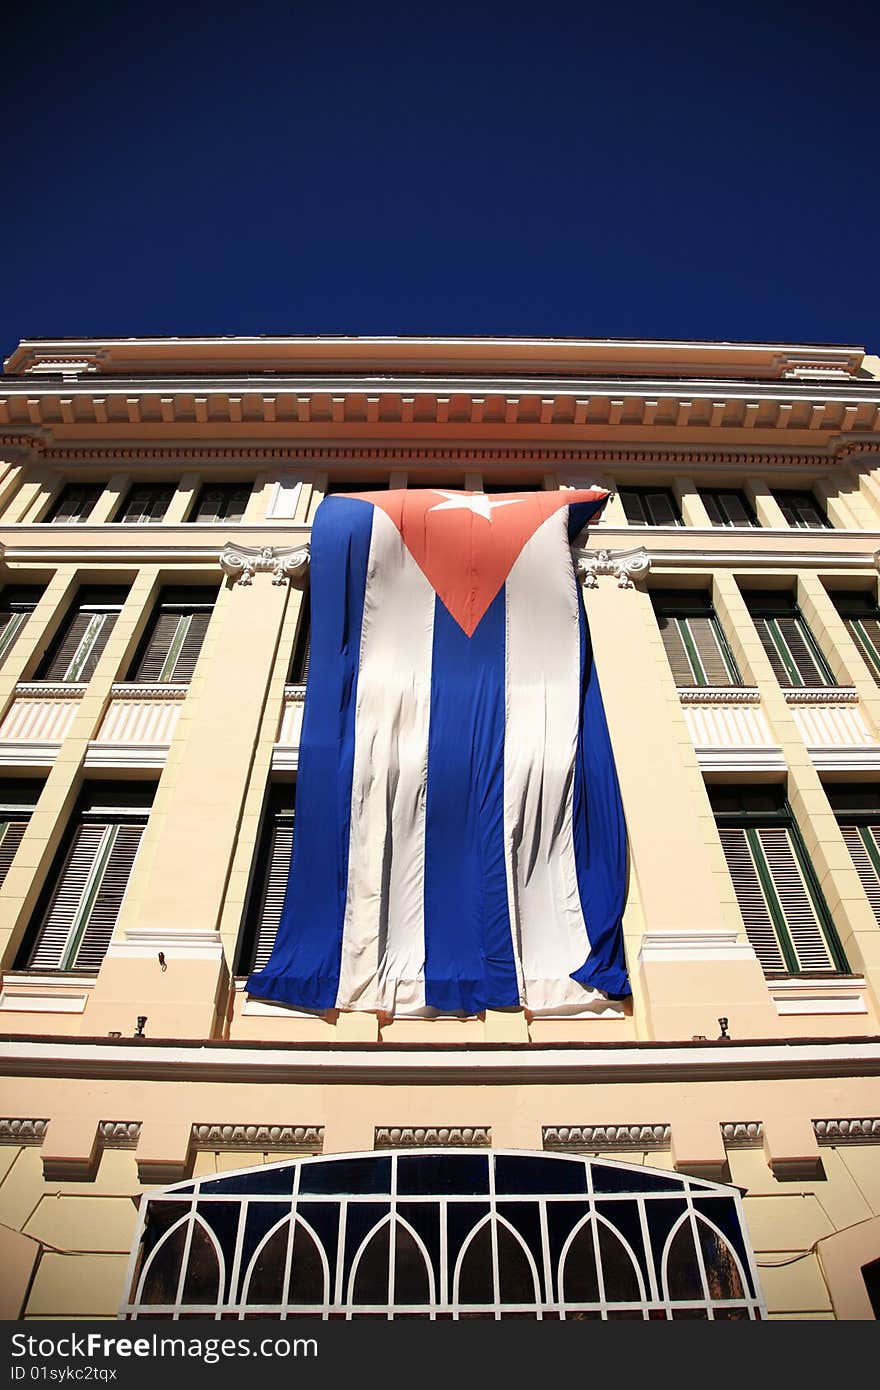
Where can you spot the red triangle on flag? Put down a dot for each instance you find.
(466, 543)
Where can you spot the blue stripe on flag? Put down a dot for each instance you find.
(599, 835)
(305, 963)
(469, 962)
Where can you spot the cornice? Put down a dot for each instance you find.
(334, 1064)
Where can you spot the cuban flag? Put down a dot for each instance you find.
(460, 842)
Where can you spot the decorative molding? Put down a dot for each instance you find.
(742, 1134)
(258, 1137)
(28, 752)
(625, 565)
(859, 758)
(633, 1136)
(285, 758)
(25, 1132)
(131, 690)
(35, 999)
(824, 695)
(391, 1137)
(101, 753)
(50, 690)
(847, 1131)
(747, 758)
(119, 1134)
(180, 943)
(295, 693)
(441, 1064)
(719, 695)
(720, 944)
(803, 995)
(242, 562)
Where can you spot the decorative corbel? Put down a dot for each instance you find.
(627, 565)
(242, 562)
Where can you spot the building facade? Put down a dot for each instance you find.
(170, 1145)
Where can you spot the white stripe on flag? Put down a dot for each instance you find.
(543, 686)
(383, 946)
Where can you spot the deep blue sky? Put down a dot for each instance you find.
(659, 170)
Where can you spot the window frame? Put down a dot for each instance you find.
(113, 805)
(781, 817)
(756, 599)
(279, 815)
(664, 605)
(717, 495)
(19, 609)
(868, 648)
(792, 499)
(190, 602)
(229, 490)
(100, 603)
(643, 495)
(81, 517)
(156, 487)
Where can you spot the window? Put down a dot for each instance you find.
(695, 644)
(299, 667)
(445, 1235)
(270, 878)
(74, 503)
(174, 637)
(356, 485)
(857, 808)
(146, 503)
(80, 906)
(785, 916)
(801, 509)
(16, 605)
(861, 615)
(221, 502)
(17, 801)
(650, 506)
(74, 654)
(728, 507)
(790, 645)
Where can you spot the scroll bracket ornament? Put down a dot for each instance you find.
(626, 565)
(242, 562)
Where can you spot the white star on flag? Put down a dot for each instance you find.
(479, 503)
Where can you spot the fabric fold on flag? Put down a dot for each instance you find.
(460, 842)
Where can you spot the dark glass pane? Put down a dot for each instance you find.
(261, 1217)
(525, 1218)
(624, 1217)
(539, 1175)
(661, 1217)
(562, 1217)
(722, 1276)
(424, 1217)
(475, 1277)
(609, 1179)
(307, 1280)
(202, 1282)
(268, 1181)
(682, 1271)
(439, 1174)
(323, 1217)
(411, 1283)
(722, 1212)
(371, 1277)
(515, 1278)
(583, 1317)
(347, 1175)
(871, 1276)
(731, 1315)
(223, 1218)
(579, 1280)
(626, 1315)
(618, 1271)
(267, 1276)
(361, 1219)
(690, 1314)
(461, 1218)
(160, 1285)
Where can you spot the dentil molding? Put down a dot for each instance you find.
(406, 1137)
(632, 1136)
(258, 1138)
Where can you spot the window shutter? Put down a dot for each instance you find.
(661, 509)
(190, 647)
(786, 508)
(710, 502)
(150, 666)
(752, 902)
(679, 661)
(792, 632)
(737, 511)
(704, 631)
(865, 632)
(633, 508)
(146, 504)
(74, 503)
(862, 861)
(61, 661)
(801, 919)
(801, 509)
(104, 913)
(299, 670)
(274, 888)
(67, 898)
(210, 504)
(11, 833)
(11, 625)
(236, 501)
(222, 502)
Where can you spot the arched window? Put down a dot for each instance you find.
(444, 1234)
